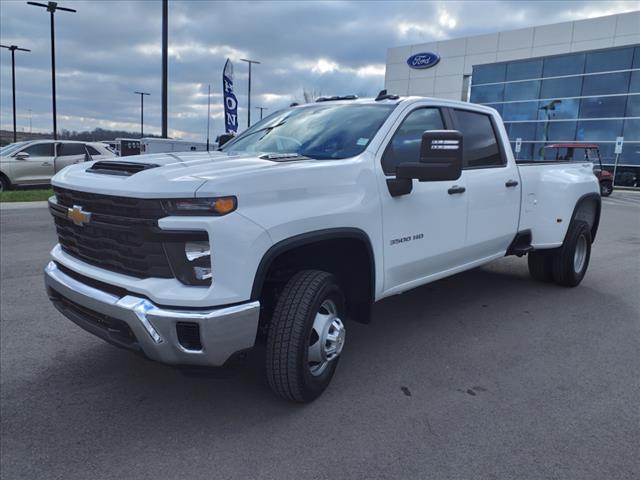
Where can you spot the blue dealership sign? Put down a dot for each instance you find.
(423, 60)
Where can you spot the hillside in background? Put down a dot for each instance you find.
(96, 135)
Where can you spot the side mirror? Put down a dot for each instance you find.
(224, 138)
(440, 158)
(22, 155)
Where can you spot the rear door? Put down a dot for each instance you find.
(424, 230)
(68, 154)
(493, 186)
(37, 167)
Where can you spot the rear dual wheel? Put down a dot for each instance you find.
(568, 264)
(306, 336)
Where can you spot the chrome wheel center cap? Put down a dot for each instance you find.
(327, 340)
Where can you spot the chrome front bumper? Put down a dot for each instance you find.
(137, 324)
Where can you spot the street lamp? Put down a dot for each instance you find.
(142, 94)
(548, 108)
(51, 8)
(249, 95)
(261, 109)
(165, 64)
(13, 49)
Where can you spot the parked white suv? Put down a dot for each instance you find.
(34, 162)
(301, 222)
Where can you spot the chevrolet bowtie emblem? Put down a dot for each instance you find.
(78, 216)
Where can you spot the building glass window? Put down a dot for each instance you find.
(631, 129)
(597, 130)
(602, 107)
(605, 84)
(633, 106)
(556, 131)
(524, 70)
(480, 144)
(561, 87)
(558, 109)
(609, 60)
(630, 154)
(563, 65)
(636, 58)
(634, 84)
(526, 151)
(520, 111)
(524, 130)
(491, 73)
(487, 93)
(522, 90)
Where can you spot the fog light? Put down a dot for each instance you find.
(202, 273)
(196, 250)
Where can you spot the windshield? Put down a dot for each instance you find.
(320, 131)
(12, 147)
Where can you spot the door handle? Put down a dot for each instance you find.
(46, 164)
(511, 183)
(456, 189)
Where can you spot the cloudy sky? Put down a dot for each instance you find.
(108, 49)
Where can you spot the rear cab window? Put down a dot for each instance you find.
(481, 148)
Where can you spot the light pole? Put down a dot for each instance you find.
(249, 94)
(142, 94)
(548, 108)
(208, 113)
(261, 109)
(13, 49)
(51, 8)
(165, 63)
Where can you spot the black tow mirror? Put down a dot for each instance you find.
(224, 138)
(440, 158)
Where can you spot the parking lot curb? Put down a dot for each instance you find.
(21, 205)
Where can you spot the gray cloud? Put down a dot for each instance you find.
(109, 49)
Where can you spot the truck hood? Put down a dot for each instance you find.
(168, 175)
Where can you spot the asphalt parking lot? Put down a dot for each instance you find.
(484, 375)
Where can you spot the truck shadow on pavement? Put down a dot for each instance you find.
(98, 387)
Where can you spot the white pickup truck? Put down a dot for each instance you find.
(304, 220)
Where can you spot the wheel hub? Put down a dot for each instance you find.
(327, 339)
(580, 254)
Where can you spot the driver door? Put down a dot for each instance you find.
(424, 230)
(34, 164)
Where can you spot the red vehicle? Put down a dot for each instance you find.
(589, 152)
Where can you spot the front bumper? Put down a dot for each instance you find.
(136, 323)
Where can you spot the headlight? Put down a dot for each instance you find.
(201, 206)
(190, 261)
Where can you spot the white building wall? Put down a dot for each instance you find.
(459, 55)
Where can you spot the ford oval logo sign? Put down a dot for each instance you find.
(423, 60)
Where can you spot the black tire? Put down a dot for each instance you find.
(541, 266)
(606, 189)
(288, 369)
(567, 269)
(4, 184)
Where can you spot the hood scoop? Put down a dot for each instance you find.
(123, 169)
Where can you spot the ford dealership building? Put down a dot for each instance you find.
(567, 82)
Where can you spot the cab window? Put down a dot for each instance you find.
(480, 146)
(405, 144)
(39, 150)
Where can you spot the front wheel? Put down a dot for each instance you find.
(606, 189)
(4, 184)
(306, 336)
